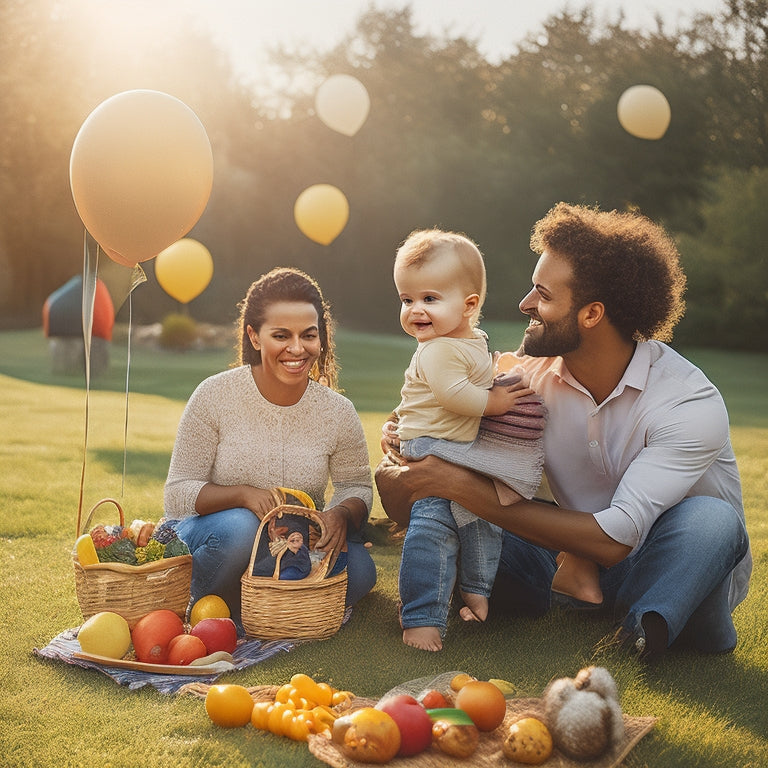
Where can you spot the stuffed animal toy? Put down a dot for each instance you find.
(583, 713)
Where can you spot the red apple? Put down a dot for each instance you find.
(412, 720)
(217, 634)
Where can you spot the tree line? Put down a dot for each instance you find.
(452, 140)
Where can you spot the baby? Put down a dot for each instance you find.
(449, 386)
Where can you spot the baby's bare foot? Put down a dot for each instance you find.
(425, 638)
(475, 607)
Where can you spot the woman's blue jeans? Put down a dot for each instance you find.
(221, 545)
(681, 572)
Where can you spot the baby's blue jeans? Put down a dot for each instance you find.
(432, 563)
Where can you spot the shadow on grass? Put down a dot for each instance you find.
(140, 465)
(708, 682)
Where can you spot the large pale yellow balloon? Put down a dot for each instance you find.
(141, 172)
(321, 212)
(184, 269)
(644, 112)
(342, 103)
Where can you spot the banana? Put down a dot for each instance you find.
(212, 658)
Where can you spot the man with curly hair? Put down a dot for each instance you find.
(637, 448)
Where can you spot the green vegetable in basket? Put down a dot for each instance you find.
(153, 551)
(119, 551)
(175, 547)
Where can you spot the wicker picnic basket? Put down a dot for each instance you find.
(309, 608)
(131, 590)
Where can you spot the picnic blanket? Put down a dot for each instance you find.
(248, 652)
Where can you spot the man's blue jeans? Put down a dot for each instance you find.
(681, 572)
(221, 545)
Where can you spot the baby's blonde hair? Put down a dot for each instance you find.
(424, 245)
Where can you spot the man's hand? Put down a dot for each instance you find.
(401, 483)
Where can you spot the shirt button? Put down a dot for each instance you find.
(593, 443)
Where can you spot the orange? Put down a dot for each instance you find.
(209, 607)
(483, 702)
(229, 705)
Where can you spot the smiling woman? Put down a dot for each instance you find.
(274, 420)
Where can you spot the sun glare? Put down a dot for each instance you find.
(124, 30)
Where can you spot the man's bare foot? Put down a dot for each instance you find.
(577, 578)
(425, 638)
(475, 607)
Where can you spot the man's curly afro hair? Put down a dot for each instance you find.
(623, 260)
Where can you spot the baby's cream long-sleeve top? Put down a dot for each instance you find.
(229, 434)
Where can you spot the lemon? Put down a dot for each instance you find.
(105, 634)
(504, 686)
(209, 607)
(86, 550)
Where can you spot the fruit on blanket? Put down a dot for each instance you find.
(412, 720)
(504, 686)
(209, 607)
(368, 735)
(153, 633)
(483, 702)
(460, 680)
(212, 658)
(528, 741)
(453, 732)
(217, 634)
(185, 648)
(319, 693)
(86, 550)
(229, 705)
(105, 634)
(433, 699)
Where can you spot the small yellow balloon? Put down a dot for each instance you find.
(342, 103)
(184, 269)
(321, 213)
(644, 112)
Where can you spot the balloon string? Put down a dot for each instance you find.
(137, 278)
(90, 267)
(127, 378)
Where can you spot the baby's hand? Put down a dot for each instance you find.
(504, 393)
(389, 438)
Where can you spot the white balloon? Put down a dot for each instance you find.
(342, 103)
(644, 112)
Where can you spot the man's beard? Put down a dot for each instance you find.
(552, 340)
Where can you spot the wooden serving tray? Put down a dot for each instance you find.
(159, 669)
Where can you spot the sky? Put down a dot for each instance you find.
(245, 28)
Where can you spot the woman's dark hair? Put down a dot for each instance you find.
(624, 261)
(287, 284)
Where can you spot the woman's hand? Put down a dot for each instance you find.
(335, 536)
(213, 498)
(258, 500)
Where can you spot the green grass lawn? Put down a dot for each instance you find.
(711, 710)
